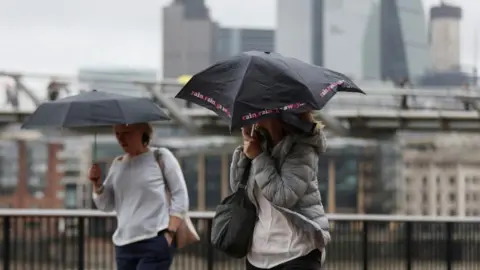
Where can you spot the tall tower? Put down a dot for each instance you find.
(188, 38)
(395, 42)
(445, 36)
(299, 31)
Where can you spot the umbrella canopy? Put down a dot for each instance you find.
(254, 85)
(94, 109)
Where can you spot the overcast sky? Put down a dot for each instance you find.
(59, 36)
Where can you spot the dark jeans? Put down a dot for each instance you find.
(311, 261)
(149, 254)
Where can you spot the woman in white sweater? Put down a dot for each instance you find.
(135, 189)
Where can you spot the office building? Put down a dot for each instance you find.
(29, 177)
(442, 176)
(396, 42)
(361, 176)
(369, 39)
(116, 80)
(232, 41)
(445, 37)
(300, 30)
(188, 38)
(74, 161)
(345, 24)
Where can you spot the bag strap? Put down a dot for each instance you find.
(245, 176)
(158, 157)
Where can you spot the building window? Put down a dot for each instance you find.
(37, 165)
(190, 172)
(408, 180)
(8, 167)
(452, 197)
(452, 180)
(453, 212)
(213, 181)
(425, 180)
(70, 198)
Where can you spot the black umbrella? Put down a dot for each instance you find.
(91, 110)
(254, 85)
(94, 109)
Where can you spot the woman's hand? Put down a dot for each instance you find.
(251, 144)
(95, 174)
(168, 236)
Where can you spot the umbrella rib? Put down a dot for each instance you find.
(241, 84)
(122, 112)
(66, 115)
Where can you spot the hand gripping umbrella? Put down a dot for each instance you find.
(254, 85)
(94, 109)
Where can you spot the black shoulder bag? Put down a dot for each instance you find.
(234, 221)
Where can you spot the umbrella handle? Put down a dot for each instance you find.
(95, 147)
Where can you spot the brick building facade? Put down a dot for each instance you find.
(21, 196)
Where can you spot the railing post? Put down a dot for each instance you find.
(409, 244)
(365, 245)
(81, 243)
(6, 243)
(449, 248)
(210, 249)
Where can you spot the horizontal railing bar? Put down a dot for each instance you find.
(210, 214)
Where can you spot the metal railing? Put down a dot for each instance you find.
(81, 239)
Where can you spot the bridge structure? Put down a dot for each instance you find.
(382, 112)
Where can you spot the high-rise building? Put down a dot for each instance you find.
(188, 38)
(192, 41)
(345, 23)
(300, 30)
(396, 42)
(445, 37)
(116, 80)
(368, 39)
(231, 41)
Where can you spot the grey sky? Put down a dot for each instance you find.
(60, 36)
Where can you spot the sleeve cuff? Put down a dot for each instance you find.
(178, 215)
(243, 160)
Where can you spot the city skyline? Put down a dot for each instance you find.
(79, 36)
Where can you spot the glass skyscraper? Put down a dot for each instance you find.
(396, 41)
(365, 39)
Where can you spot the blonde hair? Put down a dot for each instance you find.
(145, 128)
(310, 117)
(307, 117)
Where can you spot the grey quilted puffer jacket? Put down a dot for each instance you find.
(293, 187)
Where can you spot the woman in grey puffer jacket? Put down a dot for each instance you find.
(292, 229)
